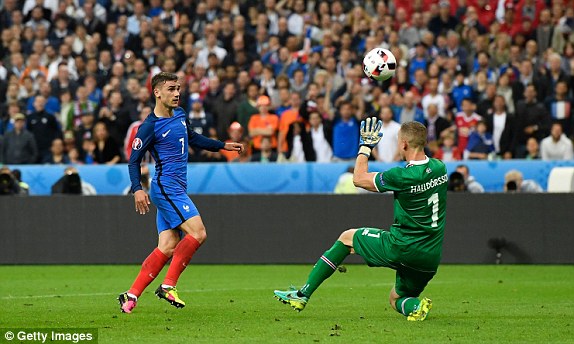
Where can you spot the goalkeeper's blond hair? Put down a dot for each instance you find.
(415, 134)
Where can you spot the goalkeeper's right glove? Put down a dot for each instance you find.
(371, 134)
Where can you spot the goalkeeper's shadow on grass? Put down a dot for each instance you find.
(502, 247)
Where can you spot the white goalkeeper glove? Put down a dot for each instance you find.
(371, 134)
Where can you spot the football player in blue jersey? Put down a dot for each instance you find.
(166, 134)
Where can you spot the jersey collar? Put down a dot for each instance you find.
(418, 162)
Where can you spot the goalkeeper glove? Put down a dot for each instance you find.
(370, 136)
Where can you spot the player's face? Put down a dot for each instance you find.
(169, 94)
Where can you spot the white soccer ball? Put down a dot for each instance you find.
(379, 64)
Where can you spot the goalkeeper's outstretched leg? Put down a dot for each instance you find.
(323, 269)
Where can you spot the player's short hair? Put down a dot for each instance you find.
(161, 78)
(415, 134)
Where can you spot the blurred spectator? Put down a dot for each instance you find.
(299, 143)
(106, 150)
(387, 150)
(72, 184)
(8, 184)
(409, 111)
(436, 125)
(514, 182)
(466, 121)
(544, 31)
(480, 144)
(552, 76)
(411, 34)
(44, 127)
(503, 88)
(52, 106)
(456, 182)
(443, 21)
(502, 126)
(453, 49)
(235, 134)
(461, 91)
(447, 150)
(24, 187)
(433, 97)
(247, 107)
(266, 152)
(321, 132)
(200, 122)
(560, 107)
(345, 183)
(132, 131)
(532, 120)
(532, 149)
(471, 184)
(345, 134)
(484, 106)
(116, 116)
(225, 110)
(289, 115)
(263, 124)
(556, 146)
(19, 144)
(57, 154)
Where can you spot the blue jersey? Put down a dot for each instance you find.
(167, 140)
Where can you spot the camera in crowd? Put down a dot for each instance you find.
(8, 184)
(69, 184)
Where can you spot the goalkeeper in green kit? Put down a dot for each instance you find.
(413, 245)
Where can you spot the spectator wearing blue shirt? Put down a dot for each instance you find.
(419, 61)
(52, 103)
(345, 134)
(480, 143)
(461, 91)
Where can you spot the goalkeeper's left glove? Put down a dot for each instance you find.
(370, 136)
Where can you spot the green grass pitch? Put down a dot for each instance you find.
(234, 304)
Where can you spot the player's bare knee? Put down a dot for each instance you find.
(200, 236)
(167, 248)
(347, 237)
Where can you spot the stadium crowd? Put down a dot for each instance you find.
(491, 79)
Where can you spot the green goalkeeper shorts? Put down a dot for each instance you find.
(375, 247)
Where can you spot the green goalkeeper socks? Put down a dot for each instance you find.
(406, 305)
(325, 267)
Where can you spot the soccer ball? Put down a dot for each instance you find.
(379, 64)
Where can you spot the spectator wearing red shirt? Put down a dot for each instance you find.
(511, 23)
(486, 10)
(466, 121)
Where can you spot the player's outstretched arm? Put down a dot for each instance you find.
(370, 136)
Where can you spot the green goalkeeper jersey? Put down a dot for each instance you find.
(420, 191)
